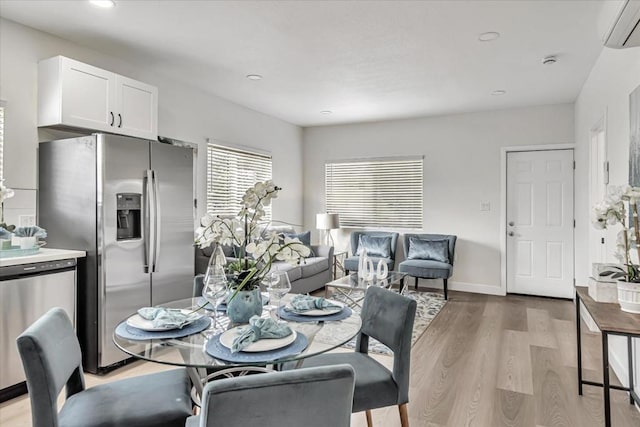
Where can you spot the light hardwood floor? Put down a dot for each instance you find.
(484, 361)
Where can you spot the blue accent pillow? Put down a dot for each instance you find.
(305, 238)
(434, 250)
(378, 246)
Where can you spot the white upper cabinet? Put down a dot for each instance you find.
(77, 95)
(137, 107)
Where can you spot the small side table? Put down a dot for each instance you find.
(611, 321)
(345, 286)
(338, 263)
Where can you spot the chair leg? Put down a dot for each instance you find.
(445, 289)
(415, 285)
(404, 417)
(369, 419)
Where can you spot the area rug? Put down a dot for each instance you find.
(429, 305)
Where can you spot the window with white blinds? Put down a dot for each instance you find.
(384, 193)
(230, 172)
(1, 140)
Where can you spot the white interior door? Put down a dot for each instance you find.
(540, 223)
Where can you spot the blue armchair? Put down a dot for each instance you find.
(430, 258)
(351, 263)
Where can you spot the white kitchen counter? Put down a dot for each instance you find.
(45, 254)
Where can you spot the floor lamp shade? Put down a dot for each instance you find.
(327, 221)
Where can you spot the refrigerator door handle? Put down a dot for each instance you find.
(149, 238)
(157, 223)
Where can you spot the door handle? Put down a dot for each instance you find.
(157, 223)
(511, 223)
(511, 233)
(120, 118)
(113, 119)
(149, 242)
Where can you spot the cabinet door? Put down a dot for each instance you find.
(87, 94)
(136, 108)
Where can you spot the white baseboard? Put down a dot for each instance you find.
(478, 288)
(619, 368)
(588, 320)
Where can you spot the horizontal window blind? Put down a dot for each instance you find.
(1, 140)
(376, 193)
(230, 172)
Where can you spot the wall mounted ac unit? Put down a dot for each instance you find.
(625, 31)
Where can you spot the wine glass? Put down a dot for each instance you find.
(279, 286)
(215, 285)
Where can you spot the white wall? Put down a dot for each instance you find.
(462, 169)
(606, 94)
(185, 113)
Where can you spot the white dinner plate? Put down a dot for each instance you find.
(147, 325)
(318, 312)
(266, 344)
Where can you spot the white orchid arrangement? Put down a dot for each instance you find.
(245, 232)
(5, 193)
(612, 211)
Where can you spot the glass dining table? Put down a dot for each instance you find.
(191, 351)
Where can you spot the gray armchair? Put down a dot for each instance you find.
(432, 261)
(388, 317)
(51, 358)
(351, 263)
(315, 397)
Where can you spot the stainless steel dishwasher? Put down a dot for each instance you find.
(28, 291)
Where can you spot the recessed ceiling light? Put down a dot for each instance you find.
(254, 76)
(325, 112)
(549, 60)
(488, 36)
(498, 92)
(106, 4)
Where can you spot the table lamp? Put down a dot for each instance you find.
(325, 222)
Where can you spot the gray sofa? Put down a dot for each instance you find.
(312, 273)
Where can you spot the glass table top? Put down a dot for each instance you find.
(352, 281)
(190, 351)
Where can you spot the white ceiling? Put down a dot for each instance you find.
(363, 60)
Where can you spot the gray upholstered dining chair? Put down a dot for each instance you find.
(388, 317)
(51, 358)
(429, 256)
(379, 245)
(315, 397)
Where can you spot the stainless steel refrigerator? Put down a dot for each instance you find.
(129, 203)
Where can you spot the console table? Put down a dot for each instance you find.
(611, 321)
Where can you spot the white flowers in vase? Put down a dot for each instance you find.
(612, 211)
(245, 232)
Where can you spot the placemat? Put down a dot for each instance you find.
(341, 315)
(130, 333)
(215, 349)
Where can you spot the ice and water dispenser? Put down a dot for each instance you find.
(129, 216)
